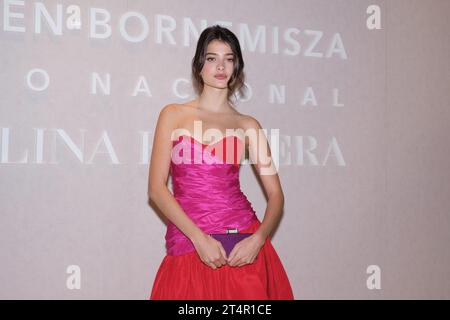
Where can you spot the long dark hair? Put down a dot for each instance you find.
(217, 32)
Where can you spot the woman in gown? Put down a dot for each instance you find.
(206, 197)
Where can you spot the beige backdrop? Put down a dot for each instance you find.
(358, 119)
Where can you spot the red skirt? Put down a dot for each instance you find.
(186, 277)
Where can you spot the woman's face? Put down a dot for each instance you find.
(219, 64)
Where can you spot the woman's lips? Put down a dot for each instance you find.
(220, 77)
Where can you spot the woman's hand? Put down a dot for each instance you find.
(210, 251)
(246, 250)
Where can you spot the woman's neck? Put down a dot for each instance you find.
(213, 100)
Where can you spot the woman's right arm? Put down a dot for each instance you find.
(210, 250)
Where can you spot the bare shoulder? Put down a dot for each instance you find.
(185, 105)
(181, 108)
(169, 114)
(168, 109)
(249, 122)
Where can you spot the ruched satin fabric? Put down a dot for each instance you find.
(205, 182)
(208, 191)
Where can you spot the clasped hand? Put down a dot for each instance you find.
(212, 253)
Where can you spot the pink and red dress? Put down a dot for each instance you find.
(206, 184)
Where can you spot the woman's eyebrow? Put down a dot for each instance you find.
(217, 54)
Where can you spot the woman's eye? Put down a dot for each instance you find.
(211, 58)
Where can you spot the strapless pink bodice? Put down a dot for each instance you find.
(205, 181)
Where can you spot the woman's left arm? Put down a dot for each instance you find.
(260, 155)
